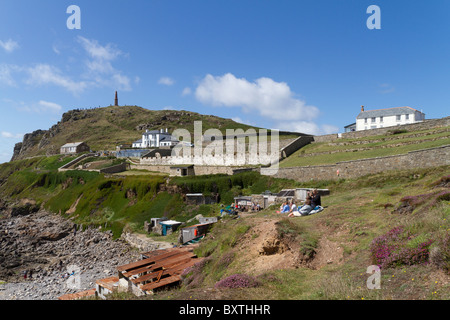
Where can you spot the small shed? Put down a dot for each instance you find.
(301, 193)
(194, 232)
(159, 269)
(106, 286)
(74, 148)
(243, 201)
(169, 226)
(200, 198)
(182, 170)
(205, 220)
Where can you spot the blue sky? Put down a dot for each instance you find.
(304, 66)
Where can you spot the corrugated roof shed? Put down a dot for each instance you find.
(161, 268)
(72, 144)
(78, 295)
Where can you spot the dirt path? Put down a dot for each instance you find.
(263, 249)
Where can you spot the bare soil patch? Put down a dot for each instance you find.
(263, 249)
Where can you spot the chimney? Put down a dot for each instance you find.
(362, 108)
(116, 100)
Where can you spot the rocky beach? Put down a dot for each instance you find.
(51, 247)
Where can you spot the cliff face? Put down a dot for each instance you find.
(106, 128)
(29, 144)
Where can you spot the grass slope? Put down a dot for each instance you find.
(107, 127)
(322, 153)
(359, 214)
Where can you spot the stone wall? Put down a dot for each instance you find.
(74, 161)
(198, 170)
(143, 243)
(433, 157)
(298, 143)
(115, 169)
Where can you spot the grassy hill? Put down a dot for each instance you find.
(120, 202)
(105, 128)
(394, 143)
(397, 220)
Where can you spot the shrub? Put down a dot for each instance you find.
(395, 248)
(440, 254)
(237, 281)
(193, 276)
(410, 203)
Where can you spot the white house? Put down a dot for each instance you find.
(155, 139)
(381, 118)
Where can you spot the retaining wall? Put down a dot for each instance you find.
(433, 157)
(74, 161)
(115, 169)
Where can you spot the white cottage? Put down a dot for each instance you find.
(74, 148)
(155, 139)
(381, 118)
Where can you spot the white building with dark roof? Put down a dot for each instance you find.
(155, 139)
(381, 118)
(74, 148)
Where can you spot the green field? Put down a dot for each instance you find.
(321, 153)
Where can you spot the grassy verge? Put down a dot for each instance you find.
(362, 148)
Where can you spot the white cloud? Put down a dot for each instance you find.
(121, 82)
(56, 49)
(386, 88)
(46, 74)
(239, 120)
(329, 129)
(9, 45)
(5, 74)
(186, 91)
(49, 106)
(166, 81)
(307, 127)
(39, 107)
(9, 135)
(98, 52)
(269, 98)
(100, 68)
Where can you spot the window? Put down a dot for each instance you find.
(399, 117)
(365, 120)
(374, 119)
(381, 118)
(406, 116)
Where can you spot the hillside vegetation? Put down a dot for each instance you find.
(396, 142)
(108, 127)
(399, 221)
(121, 203)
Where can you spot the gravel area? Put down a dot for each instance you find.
(52, 248)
